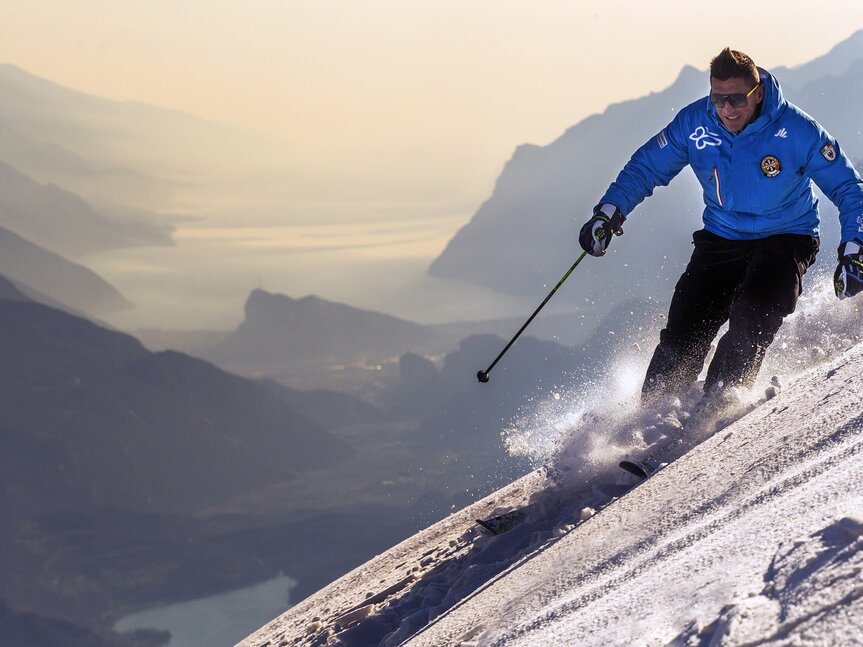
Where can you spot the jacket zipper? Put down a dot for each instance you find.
(718, 186)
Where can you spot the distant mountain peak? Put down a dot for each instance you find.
(272, 304)
(688, 71)
(311, 298)
(279, 329)
(261, 303)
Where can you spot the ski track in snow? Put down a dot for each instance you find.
(751, 538)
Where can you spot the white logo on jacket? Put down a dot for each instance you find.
(781, 133)
(703, 138)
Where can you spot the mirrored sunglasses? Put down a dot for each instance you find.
(737, 100)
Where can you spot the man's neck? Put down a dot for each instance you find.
(754, 117)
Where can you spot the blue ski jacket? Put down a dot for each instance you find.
(757, 183)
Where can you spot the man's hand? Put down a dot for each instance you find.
(595, 235)
(848, 279)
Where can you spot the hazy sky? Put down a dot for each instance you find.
(394, 109)
(426, 97)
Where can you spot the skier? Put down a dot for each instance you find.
(756, 156)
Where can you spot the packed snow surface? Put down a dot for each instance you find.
(751, 535)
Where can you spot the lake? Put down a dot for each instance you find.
(219, 620)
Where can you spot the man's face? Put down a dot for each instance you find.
(735, 119)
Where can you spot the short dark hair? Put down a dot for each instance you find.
(730, 63)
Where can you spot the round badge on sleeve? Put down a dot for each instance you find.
(770, 166)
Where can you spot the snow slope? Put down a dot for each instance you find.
(753, 536)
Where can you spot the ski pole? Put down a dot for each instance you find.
(483, 376)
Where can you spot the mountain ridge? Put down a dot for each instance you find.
(105, 381)
(122, 155)
(51, 217)
(52, 275)
(278, 329)
(110, 459)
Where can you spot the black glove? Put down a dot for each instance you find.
(595, 235)
(848, 278)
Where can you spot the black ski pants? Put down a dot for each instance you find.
(751, 284)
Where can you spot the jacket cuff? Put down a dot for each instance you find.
(851, 247)
(607, 209)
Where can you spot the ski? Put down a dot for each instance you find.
(499, 524)
(634, 468)
(641, 469)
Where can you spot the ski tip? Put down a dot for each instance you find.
(634, 469)
(503, 522)
(486, 526)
